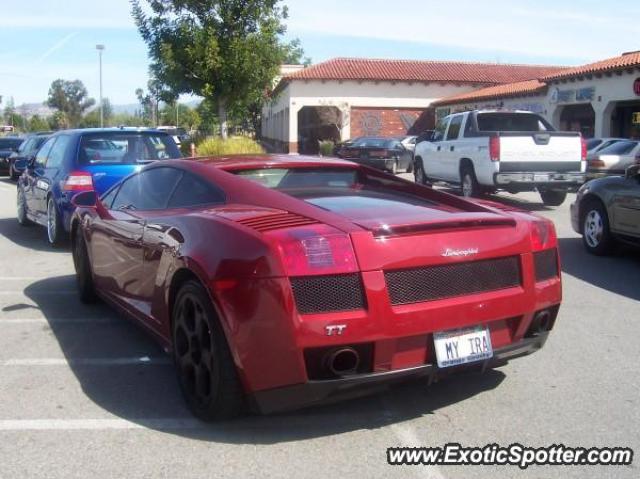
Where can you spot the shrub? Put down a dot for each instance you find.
(326, 147)
(215, 146)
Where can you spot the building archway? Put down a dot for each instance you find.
(318, 123)
(580, 118)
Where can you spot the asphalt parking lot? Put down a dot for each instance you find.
(84, 393)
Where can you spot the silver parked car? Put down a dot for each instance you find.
(614, 159)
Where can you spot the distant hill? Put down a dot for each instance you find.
(40, 109)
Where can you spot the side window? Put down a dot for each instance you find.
(43, 153)
(56, 155)
(128, 195)
(441, 127)
(469, 129)
(454, 127)
(157, 186)
(192, 191)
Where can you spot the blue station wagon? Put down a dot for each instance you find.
(78, 160)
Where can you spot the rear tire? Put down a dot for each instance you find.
(55, 230)
(468, 183)
(206, 371)
(553, 197)
(594, 226)
(84, 276)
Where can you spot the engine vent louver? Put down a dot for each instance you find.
(276, 221)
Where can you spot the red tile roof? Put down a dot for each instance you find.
(626, 60)
(421, 71)
(496, 91)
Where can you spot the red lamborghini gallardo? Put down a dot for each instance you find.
(282, 281)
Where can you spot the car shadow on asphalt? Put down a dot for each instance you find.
(146, 393)
(33, 236)
(619, 272)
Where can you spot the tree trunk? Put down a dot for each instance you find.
(222, 116)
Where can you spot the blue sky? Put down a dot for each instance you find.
(41, 40)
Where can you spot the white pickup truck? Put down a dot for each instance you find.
(487, 150)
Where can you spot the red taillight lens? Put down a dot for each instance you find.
(583, 145)
(494, 148)
(78, 181)
(314, 250)
(543, 235)
(596, 163)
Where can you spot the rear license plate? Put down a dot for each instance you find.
(461, 346)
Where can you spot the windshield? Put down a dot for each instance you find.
(126, 148)
(619, 148)
(512, 122)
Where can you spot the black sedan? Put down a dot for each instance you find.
(18, 160)
(382, 153)
(8, 146)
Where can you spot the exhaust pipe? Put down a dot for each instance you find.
(342, 362)
(541, 322)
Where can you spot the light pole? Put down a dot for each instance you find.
(100, 49)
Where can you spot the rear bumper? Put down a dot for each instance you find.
(531, 180)
(379, 163)
(327, 391)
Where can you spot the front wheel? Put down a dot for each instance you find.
(13, 174)
(55, 230)
(21, 212)
(419, 175)
(553, 197)
(204, 365)
(394, 167)
(595, 229)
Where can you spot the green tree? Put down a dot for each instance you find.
(92, 118)
(36, 123)
(226, 51)
(187, 117)
(71, 99)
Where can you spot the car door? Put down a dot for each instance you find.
(625, 206)
(33, 182)
(449, 155)
(49, 181)
(432, 162)
(116, 244)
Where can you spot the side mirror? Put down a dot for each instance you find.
(85, 199)
(31, 162)
(632, 171)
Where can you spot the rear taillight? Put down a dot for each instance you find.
(583, 145)
(78, 181)
(494, 148)
(543, 235)
(596, 163)
(314, 250)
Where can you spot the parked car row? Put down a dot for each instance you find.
(70, 161)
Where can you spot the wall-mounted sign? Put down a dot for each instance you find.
(573, 95)
(636, 86)
(635, 118)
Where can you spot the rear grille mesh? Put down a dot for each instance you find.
(546, 264)
(319, 294)
(445, 281)
(276, 221)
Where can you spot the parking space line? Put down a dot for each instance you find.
(56, 320)
(47, 292)
(99, 424)
(86, 361)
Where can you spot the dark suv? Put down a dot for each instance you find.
(18, 160)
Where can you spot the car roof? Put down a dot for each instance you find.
(81, 131)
